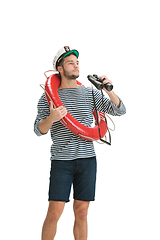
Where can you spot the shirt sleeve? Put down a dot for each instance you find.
(107, 106)
(43, 111)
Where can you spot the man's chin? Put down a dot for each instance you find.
(73, 76)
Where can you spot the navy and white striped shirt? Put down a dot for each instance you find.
(79, 103)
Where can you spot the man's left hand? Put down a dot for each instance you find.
(106, 80)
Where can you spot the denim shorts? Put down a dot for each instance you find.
(79, 172)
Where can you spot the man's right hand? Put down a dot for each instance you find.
(55, 115)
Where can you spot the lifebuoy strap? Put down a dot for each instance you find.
(49, 71)
(104, 141)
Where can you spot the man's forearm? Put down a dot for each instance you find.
(45, 125)
(114, 98)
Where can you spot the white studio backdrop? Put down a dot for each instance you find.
(119, 39)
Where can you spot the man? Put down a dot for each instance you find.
(73, 159)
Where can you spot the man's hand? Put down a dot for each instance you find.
(58, 113)
(55, 115)
(106, 80)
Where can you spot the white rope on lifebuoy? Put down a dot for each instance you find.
(114, 126)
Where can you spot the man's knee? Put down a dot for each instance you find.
(81, 215)
(53, 216)
(81, 210)
(54, 211)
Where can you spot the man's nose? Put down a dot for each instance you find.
(76, 65)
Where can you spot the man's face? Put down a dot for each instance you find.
(70, 67)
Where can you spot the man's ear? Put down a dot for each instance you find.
(60, 69)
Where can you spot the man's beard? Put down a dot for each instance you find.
(70, 76)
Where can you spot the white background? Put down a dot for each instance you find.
(120, 39)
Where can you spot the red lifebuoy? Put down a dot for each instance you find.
(87, 133)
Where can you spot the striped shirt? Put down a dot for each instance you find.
(79, 103)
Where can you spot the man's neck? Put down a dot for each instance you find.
(68, 83)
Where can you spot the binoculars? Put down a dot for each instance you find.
(98, 82)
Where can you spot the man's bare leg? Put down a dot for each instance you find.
(55, 210)
(80, 226)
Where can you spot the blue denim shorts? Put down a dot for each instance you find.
(80, 172)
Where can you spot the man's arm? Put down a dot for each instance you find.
(113, 97)
(55, 115)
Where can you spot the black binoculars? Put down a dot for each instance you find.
(98, 82)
